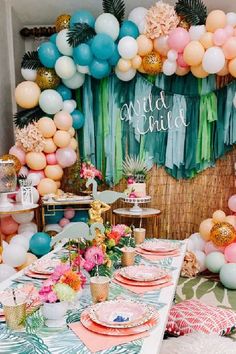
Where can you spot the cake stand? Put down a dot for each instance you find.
(5, 201)
(136, 201)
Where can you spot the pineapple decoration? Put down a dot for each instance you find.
(191, 13)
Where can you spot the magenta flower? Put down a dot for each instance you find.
(94, 254)
(52, 297)
(130, 180)
(89, 265)
(59, 271)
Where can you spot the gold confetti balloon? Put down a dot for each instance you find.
(17, 164)
(62, 22)
(47, 78)
(222, 234)
(152, 63)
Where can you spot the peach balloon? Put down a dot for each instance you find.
(49, 146)
(58, 184)
(218, 216)
(216, 19)
(61, 138)
(207, 40)
(141, 69)
(71, 131)
(145, 45)
(27, 94)
(54, 172)
(205, 229)
(225, 70)
(47, 186)
(30, 258)
(136, 62)
(124, 65)
(231, 219)
(193, 53)
(229, 48)
(73, 144)
(63, 120)
(199, 72)
(161, 45)
(36, 160)
(51, 159)
(47, 127)
(232, 67)
(180, 71)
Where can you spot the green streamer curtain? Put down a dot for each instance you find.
(184, 150)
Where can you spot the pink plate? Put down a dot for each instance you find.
(97, 328)
(159, 254)
(143, 273)
(123, 280)
(46, 266)
(158, 246)
(36, 275)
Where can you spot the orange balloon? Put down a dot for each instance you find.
(47, 127)
(207, 40)
(218, 216)
(232, 67)
(49, 146)
(58, 185)
(136, 62)
(54, 172)
(222, 234)
(71, 131)
(30, 258)
(205, 229)
(61, 138)
(199, 72)
(229, 48)
(47, 186)
(27, 94)
(216, 19)
(225, 70)
(145, 45)
(73, 144)
(124, 65)
(182, 71)
(231, 219)
(36, 160)
(63, 120)
(193, 53)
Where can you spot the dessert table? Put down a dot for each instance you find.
(63, 340)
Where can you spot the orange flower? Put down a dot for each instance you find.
(72, 279)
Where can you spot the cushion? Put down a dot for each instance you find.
(194, 316)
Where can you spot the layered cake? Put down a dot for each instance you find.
(136, 190)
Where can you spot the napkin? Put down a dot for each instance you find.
(96, 342)
(142, 289)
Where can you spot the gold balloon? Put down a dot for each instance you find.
(222, 234)
(152, 63)
(17, 164)
(47, 78)
(62, 22)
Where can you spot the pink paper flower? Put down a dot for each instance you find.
(59, 271)
(89, 265)
(95, 255)
(52, 297)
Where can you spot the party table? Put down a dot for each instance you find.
(63, 340)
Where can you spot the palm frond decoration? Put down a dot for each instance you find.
(31, 60)
(194, 12)
(135, 166)
(80, 33)
(115, 7)
(27, 116)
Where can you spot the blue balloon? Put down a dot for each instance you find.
(128, 28)
(48, 54)
(83, 54)
(65, 92)
(40, 244)
(103, 46)
(53, 38)
(55, 217)
(113, 60)
(78, 119)
(99, 69)
(82, 16)
(80, 216)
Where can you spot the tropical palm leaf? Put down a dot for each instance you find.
(135, 167)
(31, 61)
(115, 7)
(194, 12)
(80, 33)
(27, 116)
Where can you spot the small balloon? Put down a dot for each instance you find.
(78, 119)
(215, 261)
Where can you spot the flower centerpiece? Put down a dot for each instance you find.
(88, 170)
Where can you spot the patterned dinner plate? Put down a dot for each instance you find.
(159, 246)
(46, 266)
(120, 313)
(97, 328)
(126, 281)
(33, 275)
(143, 273)
(160, 254)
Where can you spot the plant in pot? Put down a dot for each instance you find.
(56, 293)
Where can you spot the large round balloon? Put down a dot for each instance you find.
(61, 138)
(40, 244)
(227, 275)
(48, 54)
(47, 127)
(113, 60)
(82, 54)
(8, 225)
(78, 119)
(178, 39)
(47, 186)
(18, 153)
(108, 24)
(65, 92)
(218, 216)
(215, 261)
(213, 60)
(75, 81)
(54, 172)
(62, 43)
(193, 53)
(125, 76)
(14, 255)
(63, 120)
(230, 253)
(50, 101)
(30, 227)
(65, 67)
(27, 94)
(66, 157)
(29, 74)
(137, 15)
(82, 16)
(232, 203)
(215, 19)
(6, 272)
(102, 47)
(36, 160)
(222, 234)
(128, 47)
(20, 240)
(129, 28)
(99, 69)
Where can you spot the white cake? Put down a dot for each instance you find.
(139, 189)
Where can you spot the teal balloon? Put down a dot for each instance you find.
(65, 92)
(82, 16)
(54, 217)
(83, 55)
(214, 261)
(53, 38)
(103, 46)
(129, 28)
(99, 69)
(40, 243)
(113, 60)
(48, 54)
(78, 119)
(228, 275)
(80, 216)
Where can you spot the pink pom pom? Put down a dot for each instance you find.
(69, 213)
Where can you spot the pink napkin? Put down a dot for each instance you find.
(96, 342)
(143, 289)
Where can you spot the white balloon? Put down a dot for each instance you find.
(169, 67)
(191, 245)
(20, 240)
(108, 23)
(53, 227)
(34, 178)
(201, 258)
(75, 81)
(196, 32)
(213, 60)
(74, 103)
(137, 15)
(125, 76)
(50, 101)
(142, 26)
(198, 242)
(82, 69)
(35, 196)
(62, 43)
(65, 67)
(29, 74)
(6, 272)
(23, 218)
(68, 106)
(231, 18)
(128, 47)
(4, 244)
(30, 227)
(27, 235)
(172, 55)
(14, 255)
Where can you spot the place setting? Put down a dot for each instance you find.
(42, 269)
(158, 249)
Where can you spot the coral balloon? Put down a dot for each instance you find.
(230, 253)
(229, 48)
(181, 62)
(27, 94)
(145, 45)
(124, 64)
(161, 45)
(36, 160)
(193, 53)
(51, 159)
(47, 186)
(232, 67)
(66, 157)
(71, 131)
(205, 229)
(61, 138)
(207, 40)
(152, 63)
(69, 213)
(216, 19)
(30, 258)
(136, 62)
(19, 153)
(199, 72)
(8, 225)
(178, 39)
(218, 216)
(220, 36)
(54, 172)
(232, 203)
(222, 234)
(47, 127)
(63, 120)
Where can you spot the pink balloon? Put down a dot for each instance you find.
(178, 39)
(220, 36)
(63, 222)
(66, 157)
(181, 62)
(19, 153)
(230, 253)
(51, 159)
(232, 203)
(8, 225)
(69, 213)
(40, 173)
(23, 171)
(229, 30)
(210, 247)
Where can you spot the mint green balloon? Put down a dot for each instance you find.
(214, 261)
(227, 275)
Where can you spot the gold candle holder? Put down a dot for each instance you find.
(99, 286)
(128, 256)
(139, 235)
(15, 315)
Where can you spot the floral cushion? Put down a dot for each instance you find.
(194, 316)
